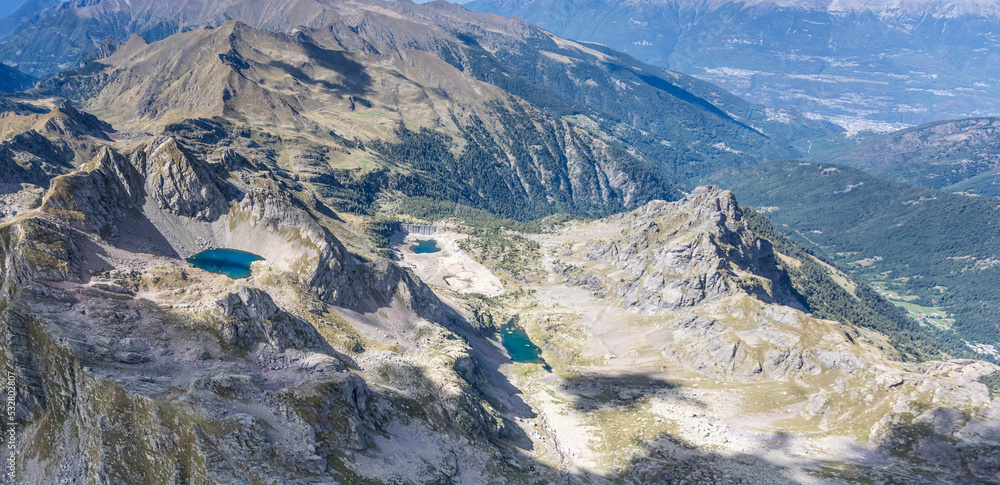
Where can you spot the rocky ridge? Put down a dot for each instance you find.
(307, 96)
(116, 343)
(449, 53)
(38, 144)
(708, 256)
(675, 323)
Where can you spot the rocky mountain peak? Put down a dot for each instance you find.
(711, 204)
(103, 191)
(66, 119)
(251, 316)
(681, 253)
(180, 182)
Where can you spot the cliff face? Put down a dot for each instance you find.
(38, 144)
(179, 183)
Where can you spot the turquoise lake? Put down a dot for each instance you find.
(230, 262)
(520, 347)
(424, 247)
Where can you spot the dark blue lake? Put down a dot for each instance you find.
(230, 262)
(519, 346)
(424, 247)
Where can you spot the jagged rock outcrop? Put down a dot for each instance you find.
(232, 161)
(701, 298)
(22, 361)
(388, 281)
(37, 145)
(67, 120)
(334, 406)
(179, 182)
(38, 249)
(251, 317)
(99, 195)
(680, 254)
(708, 347)
(946, 420)
(321, 260)
(32, 158)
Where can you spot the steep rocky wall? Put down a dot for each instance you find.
(697, 249)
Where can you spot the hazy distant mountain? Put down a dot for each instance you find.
(84, 24)
(957, 155)
(889, 62)
(18, 10)
(12, 80)
(8, 7)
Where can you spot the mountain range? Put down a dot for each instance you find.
(479, 256)
(954, 155)
(866, 65)
(663, 117)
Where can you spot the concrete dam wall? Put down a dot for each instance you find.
(418, 229)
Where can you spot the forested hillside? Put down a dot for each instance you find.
(955, 156)
(935, 251)
(831, 292)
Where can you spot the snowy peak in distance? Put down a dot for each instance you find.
(936, 8)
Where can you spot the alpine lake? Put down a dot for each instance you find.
(425, 247)
(519, 346)
(230, 262)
